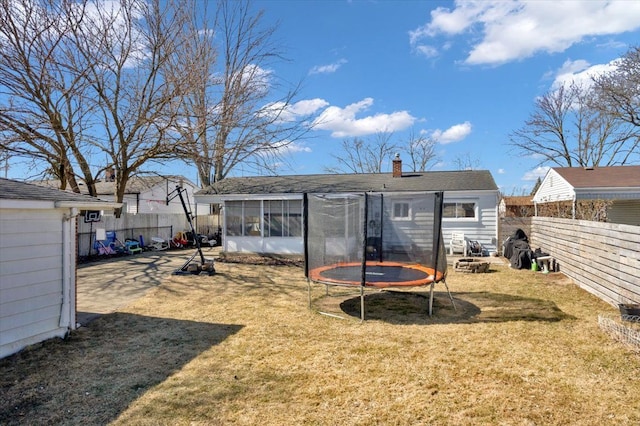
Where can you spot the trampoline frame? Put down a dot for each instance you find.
(314, 274)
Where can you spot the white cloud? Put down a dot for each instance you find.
(291, 112)
(284, 148)
(427, 51)
(327, 69)
(581, 73)
(342, 122)
(501, 171)
(454, 133)
(538, 172)
(256, 78)
(518, 29)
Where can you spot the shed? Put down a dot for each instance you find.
(619, 185)
(264, 214)
(38, 262)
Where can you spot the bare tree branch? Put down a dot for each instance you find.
(360, 156)
(566, 129)
(421, 150)
(229, 117)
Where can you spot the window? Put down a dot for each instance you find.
(401, 210)
(459, 210)
(242, 218)
(252, 218)
(280, 218)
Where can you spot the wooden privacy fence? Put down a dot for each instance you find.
(602, 258)
(508, 225)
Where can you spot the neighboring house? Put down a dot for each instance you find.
(264, 214)
(617, 187)
(521, 206)
(38, 262)
(145, 194)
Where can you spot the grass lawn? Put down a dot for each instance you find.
(242, 347)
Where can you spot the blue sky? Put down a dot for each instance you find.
(463, 72)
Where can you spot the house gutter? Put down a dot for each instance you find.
(68, 306)
(67, 312)
(91, 205)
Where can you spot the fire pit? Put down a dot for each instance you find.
(471, 266)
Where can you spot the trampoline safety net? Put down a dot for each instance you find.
(374, 239)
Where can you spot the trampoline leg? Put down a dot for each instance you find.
(361, 303)
(450, 297)
(431, 299)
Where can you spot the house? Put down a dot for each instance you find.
(264, 214)
(521, 206)
(37, 262)
(144, 194)
(612, 191)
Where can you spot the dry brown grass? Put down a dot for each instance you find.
(242, 347)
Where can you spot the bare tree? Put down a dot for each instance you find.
(617, 94)
(466, 162)
(230, 116)
(566, 130)
(126, 51)
(81, 81)
(421, 150)
(360, 156)
(41, 109)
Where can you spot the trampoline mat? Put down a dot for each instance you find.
(378, 274)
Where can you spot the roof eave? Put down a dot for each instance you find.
(87, 205)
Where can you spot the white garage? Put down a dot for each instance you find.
(38, 262)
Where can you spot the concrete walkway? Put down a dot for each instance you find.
(107, 285)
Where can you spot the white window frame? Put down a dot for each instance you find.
(394, 203)
(476, 215)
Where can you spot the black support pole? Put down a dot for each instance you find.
(305, 227)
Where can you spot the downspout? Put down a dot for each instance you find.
(67, 308)
(573, 206)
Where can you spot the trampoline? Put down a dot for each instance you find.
(377, 274)
(374, 240)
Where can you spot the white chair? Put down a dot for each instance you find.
(458, 244)
(158, 244)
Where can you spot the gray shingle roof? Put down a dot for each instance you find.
(15, 190)
(464, 180)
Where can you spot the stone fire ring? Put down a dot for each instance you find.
(471, 266)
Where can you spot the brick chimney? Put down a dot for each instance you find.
(397, 166)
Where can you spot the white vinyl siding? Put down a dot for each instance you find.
(31, 281)
(483, 227)
(625, 212)
(554, 188)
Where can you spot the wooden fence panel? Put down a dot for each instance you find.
(508, 225)
(602, 258)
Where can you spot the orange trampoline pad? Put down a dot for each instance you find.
(378, 274)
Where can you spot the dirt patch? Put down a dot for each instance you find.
(261, 259)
